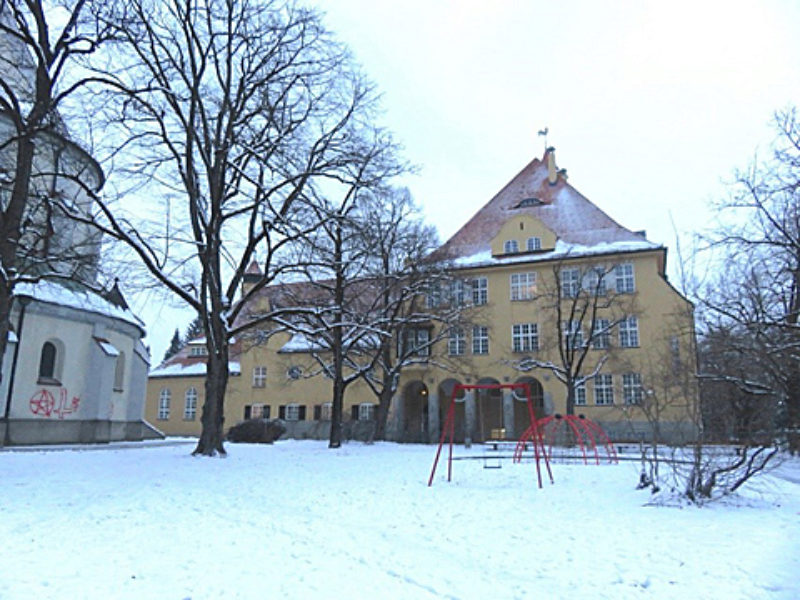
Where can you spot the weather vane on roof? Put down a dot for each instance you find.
(543, 132)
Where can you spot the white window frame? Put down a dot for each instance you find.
(366, 411)
(326, 411)
(632, 390)
(534, 243)
(433, 296)
(569, 281)
(601, 340)
(524, 337)
(415, 341)
(260, 409)
(198, 350)
(604, 389)
(458, 292)
(580, 394)
(573, 335)
(259, 376)
(480, 339)
(480, 291)
(457, 342)
(523, 286)
(624, 279)
(292, 412)
(510, 247)
(164, 401)
(629, 332)
(594, 281)
(190, 404)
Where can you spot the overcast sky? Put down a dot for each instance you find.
(649, 104)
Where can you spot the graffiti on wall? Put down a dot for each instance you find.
(44, 404)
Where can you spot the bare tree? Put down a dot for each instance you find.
(755, 298)
(586, 303)
(412, 294)
(231, 112)
(39, 166)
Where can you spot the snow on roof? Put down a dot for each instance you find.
(197, 369)
(78, 297)
(561, 208)
(108, 348)
(300, 343)
(561, 251)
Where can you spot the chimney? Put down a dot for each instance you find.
(552, 173)
(563, 174)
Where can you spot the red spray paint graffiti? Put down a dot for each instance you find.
(44, 404)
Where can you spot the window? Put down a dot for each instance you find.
(458, 292)
(601, 338)
(570, 281)
(594, 281)
(580, 394)
(632, 388)
(325, 411)
(629, 332)
(190, 405)
(624, 279)
(259, 377)
(523, 286)
(119, 372)
(163, 404)
(573, 335)
(603, 390)
(524, 337)
(457, 342)
(47, 363)
(480, 291)
(256, 411)
(534, 243)
(510, 247)
(294, 372)
(480, 340)
(366, 412)
(292, 412)
(675, 354)
(433, 297)
(414, 341)
(198, 351)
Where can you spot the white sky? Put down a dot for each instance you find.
(650, 104)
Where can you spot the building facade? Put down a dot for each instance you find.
(557, 295)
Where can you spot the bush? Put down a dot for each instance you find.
(256, 431)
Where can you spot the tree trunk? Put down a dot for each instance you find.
(384, 403)
(213, 419)
(570, 408)
(10, 229)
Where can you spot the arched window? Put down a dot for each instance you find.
(50, 361)
(47, 362)
(163, 404)
(190, 405)
(119, 372)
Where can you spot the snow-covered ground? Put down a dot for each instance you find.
(296, 520)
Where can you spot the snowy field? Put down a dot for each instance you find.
(296, 520)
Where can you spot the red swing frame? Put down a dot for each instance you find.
(533, 432)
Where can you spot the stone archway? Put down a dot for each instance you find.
(521, 417)
(488, 409)
(415, 412)
(445, 393)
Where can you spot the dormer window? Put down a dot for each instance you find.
(198, 351)
(534, 243)
(529, 202)
(510, 247)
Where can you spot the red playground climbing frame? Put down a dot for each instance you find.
(532, 433)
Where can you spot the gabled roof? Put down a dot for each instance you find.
(577, 223)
